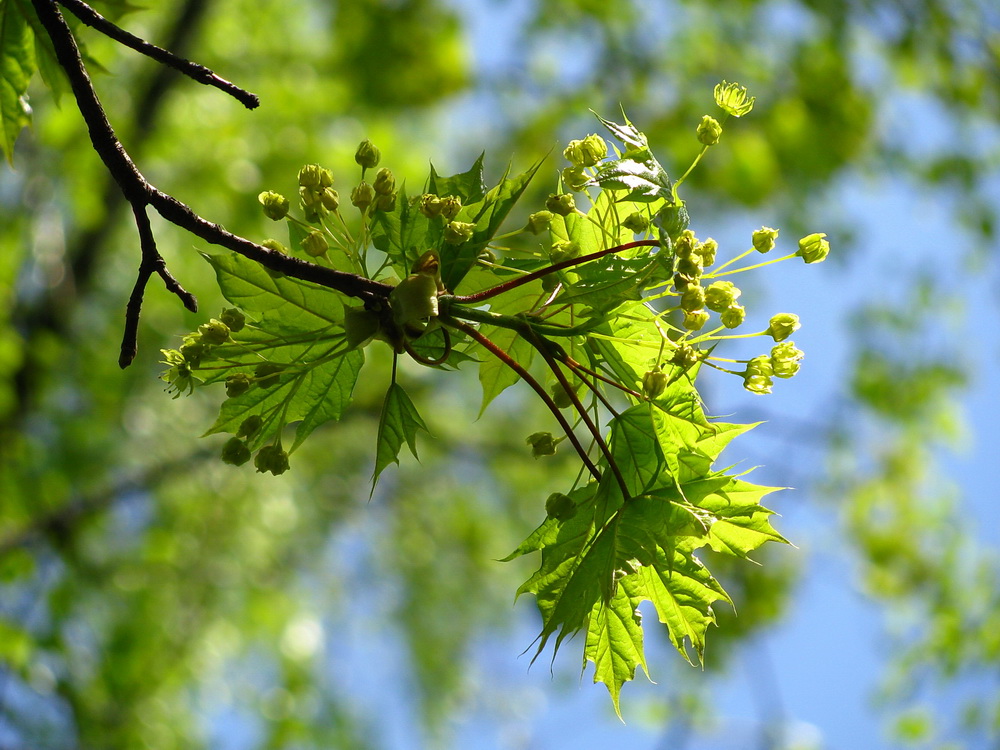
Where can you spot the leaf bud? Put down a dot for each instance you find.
(695, 320)
(367, 155)
(237, 384)
(275, 204)
(271, 458)
(430, 205)
(575, 178)
(709, 131)
(250, 426)
(330, 199)
(314, 177)
(450, 206)
(782, 326)
(542, 444)
(759, 384)
(539, 221)
(457, 232)
(654, 383)
(636, 222)
(385, 182)
(785, 358)
(235, 452)
(267, 374)
(732, 98)
(413, 300)
(814, 248)
(362, 196)
(562, 204)
(561, 251)
(733, 316)
(234, 318)
(214, 332)
(763, 239)
(315, 244)
(721, 294)
(706, 251)
(693, 298)
(560, 507)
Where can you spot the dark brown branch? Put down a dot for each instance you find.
(193, 70)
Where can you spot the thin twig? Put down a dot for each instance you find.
(193, 70)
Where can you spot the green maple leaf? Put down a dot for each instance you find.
(17, 64)
(398, 424)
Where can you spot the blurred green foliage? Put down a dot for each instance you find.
(150, 595)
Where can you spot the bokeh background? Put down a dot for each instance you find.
(151, 596)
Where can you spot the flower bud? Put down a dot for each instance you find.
(193, 349)
(693, 298)
(330, 199)
(706, 251)
(562, 204)
(709, 131)
(539, 221)
(690, 266)
(763, 239)
(575, 178)
(560, 506)
(759, 384)
(385, 182)
(782, 326)
(695, 320)
(684, 244)
(636, 222)
(721, 294)
(250, 426)
(785, 358)
(362, 196)
(430, 205)
(314, 177)
(271, 458)
(367, 155)
(235, 452)
(733, 316)
(233, 318)
(814, 248)
(267, 374)
(214, 332)
(315, 244)
(275, 205)
(542, 444)
(561, 251)
(385, 202)
(237, 384)
(586, 152)
(457, 232)
(654, 383)
(682, 281)
(685, 356)
(732, 98)
(450, 206)
(760, 365)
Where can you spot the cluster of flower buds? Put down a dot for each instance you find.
(182, 361)
(783, 362)
(316, 194)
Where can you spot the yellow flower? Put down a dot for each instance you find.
(733, 99)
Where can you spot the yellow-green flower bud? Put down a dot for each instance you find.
(759, 384)
(267, 374)
(695, 320)
(721, 294)
(706, 251)
(682, 281)
(315, 244)
(430, 205)
(450, 206)
(733, 316)
(575, 178)
(363, 196)
(314, 177)
(814, 248)
(275, 205)
(562, 204)
(250, 426)
(214, 332)
(233, 318)
(685, 244)
(237, 384)
(193, 349)
(330, 199)
(709, 131)
(564, 251)
(785, 358)
(235, 452)
(782, 326)
(385, 202)
(271, 458)
(654, 383)
(685, 356)
(560, 506)
(690, 266)
(732, 98)
(693, 298)
(760, 365)
(385, 182)
(542, 444)
(539, 221)
(457, 232)
(636, 222)
(367, 155)
(763, 239)
(586, 152)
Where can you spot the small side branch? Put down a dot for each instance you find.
(193, 70)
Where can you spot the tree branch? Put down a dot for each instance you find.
(193, 70)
